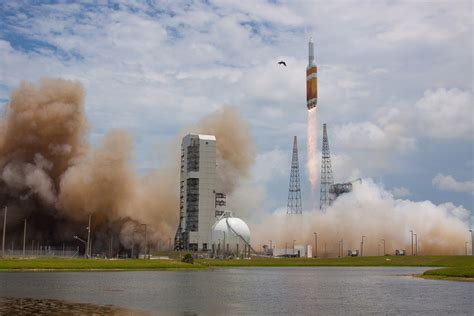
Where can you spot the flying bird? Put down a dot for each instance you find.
(282, 63)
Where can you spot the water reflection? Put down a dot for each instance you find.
(256, 291)
(30, 306)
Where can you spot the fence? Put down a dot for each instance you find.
(44, 251)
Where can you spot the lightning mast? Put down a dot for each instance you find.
(294, 192)
(326, 173)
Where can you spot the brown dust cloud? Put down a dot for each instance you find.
(51, 175)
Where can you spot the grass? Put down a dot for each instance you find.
(92, 264)
(451, 266)
(391, 261)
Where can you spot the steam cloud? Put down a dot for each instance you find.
(50, 175)
(373, 212)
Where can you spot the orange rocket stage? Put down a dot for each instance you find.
(311, 79)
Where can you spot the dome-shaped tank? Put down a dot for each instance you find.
(230, 235)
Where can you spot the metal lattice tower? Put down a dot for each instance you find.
(294, 192)
(326, 173)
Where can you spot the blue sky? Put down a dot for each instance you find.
(395, 80)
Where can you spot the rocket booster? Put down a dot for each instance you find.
(311, 79)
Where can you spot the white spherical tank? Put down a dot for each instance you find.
(230, 234)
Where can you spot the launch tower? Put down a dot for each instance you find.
(294, 192)
(326, 173)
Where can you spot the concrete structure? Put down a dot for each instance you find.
(311, 78)
(230, 236)
(197, 193)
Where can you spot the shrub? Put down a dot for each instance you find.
(188, 258)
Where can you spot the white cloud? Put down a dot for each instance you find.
(446, 113)
(272, 164)
(448, 183)
(155, 68)
(368, 135)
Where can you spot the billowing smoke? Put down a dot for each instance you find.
(372, 212)
(52, 177)
(235, 148)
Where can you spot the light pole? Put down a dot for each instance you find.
(416, 244)
(315, 245)
(88, 247)
(111, 246)
(81, 240)
(411, 231)
(24, 238)
(4, 230)
(362, 246)
(465, 247)
(472, 242)
(342, 248)
(225, 250)
(294, 246)
(383, 246)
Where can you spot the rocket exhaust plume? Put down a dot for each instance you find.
(311, 102)
(52, 177)
(312, 150)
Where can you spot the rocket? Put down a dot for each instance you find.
(311, 79)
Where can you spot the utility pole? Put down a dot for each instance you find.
(416, 244)
(294, 246)
(465, 247)
(4, 230)
(362, 246)
(224, 246)
(411, 231)
(111, 245)
(315, 245)
(472, 242)
(24, 238)
(88, 246)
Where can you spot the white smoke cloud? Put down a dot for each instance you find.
(448, 183)
(373, 212)
(400, 192)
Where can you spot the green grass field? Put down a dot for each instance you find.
(450, 266)
(92, 264)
